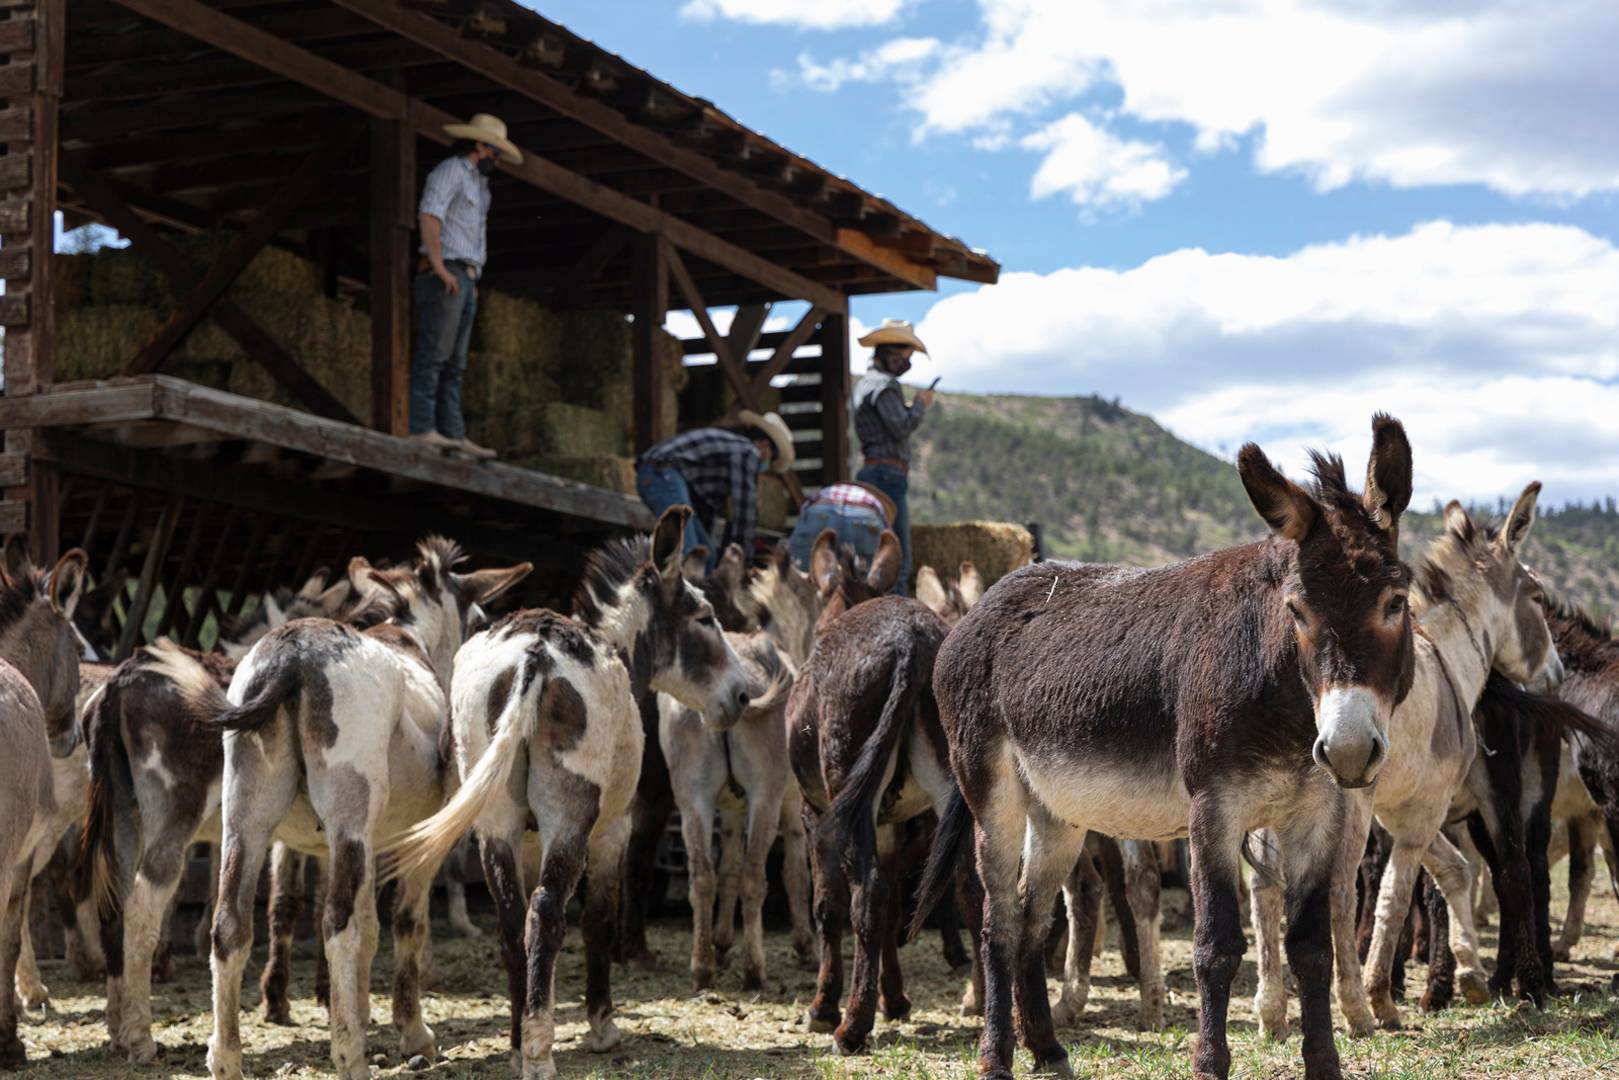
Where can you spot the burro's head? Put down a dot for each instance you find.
(1345, 597)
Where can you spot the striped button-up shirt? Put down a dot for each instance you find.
(717, 465)
(458, 195)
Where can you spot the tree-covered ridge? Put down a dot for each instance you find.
(1111, 485)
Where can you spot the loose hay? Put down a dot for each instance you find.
(995, 547)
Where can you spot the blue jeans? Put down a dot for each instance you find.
(443, 328)
(661, 487)
(858, 526)
(895, 483)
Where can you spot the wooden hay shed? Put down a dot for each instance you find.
(306, 127)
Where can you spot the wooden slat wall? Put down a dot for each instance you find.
(32, 34)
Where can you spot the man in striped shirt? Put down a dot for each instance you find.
(454, 214)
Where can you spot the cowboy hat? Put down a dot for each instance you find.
(894, 332)
(889, 509)
(776, 428)
(490, 130)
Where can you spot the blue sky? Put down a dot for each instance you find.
(1257, 219)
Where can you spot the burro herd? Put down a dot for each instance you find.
(1320, 715)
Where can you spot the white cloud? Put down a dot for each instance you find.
(1097, 168)
(900, 60)
(805, 14)
(1498, 345)
(1517, 96)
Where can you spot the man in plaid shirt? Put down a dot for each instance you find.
(705, 467)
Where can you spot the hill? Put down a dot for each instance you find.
(1112, 485)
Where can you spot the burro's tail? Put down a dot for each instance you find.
(95, 871)
(954, 827)
(423, 847)
(849, 827)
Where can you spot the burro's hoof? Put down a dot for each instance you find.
(603, 1037)
(823, 1023)
(1057, 1066)
(1474, 987)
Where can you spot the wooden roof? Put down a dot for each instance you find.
(197, 123)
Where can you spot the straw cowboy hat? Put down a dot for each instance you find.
(889, 509)
(894, 332)
(490, 130)
(774, 426)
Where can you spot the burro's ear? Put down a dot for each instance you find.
(482, 586)
(67, 581)
(823, 560)
(1516, 530)
(367, 580)
(668, 537)
(1287, 508)
(885, 565)
(1388, 473)
(15, 561)
(315, 585)
(732, 569)
(970, 584)
(335, 597)
(930, 590)
(272, 610)
(695, 565)
(1458, 520)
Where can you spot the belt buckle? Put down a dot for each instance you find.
(472, 271)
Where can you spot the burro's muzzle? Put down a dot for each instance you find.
(1350, 743)
(1550, 675)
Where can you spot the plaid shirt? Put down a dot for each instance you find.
(458, 195)
(882, 420)
(850, 495)
(717, 465)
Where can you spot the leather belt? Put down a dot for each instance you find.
(423, 266)
(902, 466)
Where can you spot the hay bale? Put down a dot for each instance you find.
(594, 354)
(608, 471)
(119, 276)
(519, 328)
(995, 547)
(72, 282)
(96, 342)
(774, 503)
(273, 269)
(618, 397)
(498, 383)
(557, 429)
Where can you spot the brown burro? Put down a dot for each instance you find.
(864, 741)
(1235, 691)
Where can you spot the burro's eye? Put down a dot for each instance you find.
(1396, 606)
(707, 620)
(1297, 612)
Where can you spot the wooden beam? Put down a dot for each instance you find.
(306, 68)
(258, 344)
(304, 182)
(784, 352)
(835, 390)
(746, 326)
(393, 178)
(649, 303)
(604, 250)
(146, 587)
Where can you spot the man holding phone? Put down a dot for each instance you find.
(884, 422)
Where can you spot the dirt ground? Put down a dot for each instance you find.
(726, 1033)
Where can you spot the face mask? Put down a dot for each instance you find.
(898, 367)
(486, 166)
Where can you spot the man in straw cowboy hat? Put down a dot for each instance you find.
(704, 467)
(884, 424)
(454, 214)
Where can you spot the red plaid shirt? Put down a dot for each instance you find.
(851, 495)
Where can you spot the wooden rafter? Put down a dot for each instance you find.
(258, 344)
(304, 182)
(783, 355)
(301, 66)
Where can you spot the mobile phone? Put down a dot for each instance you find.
(935, 381)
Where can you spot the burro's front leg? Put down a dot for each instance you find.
(410, 943)
(1309, 854)
(1217, 942)
(1142, 885)
(1269, 898)
(1352, 999)
(764, 810)
(1082, 896)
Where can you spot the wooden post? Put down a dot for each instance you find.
(33, 76)
(649, 302)
(835, 390)
(393, 184)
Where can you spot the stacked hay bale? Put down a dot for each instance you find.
(550, 391)
(995, 547)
